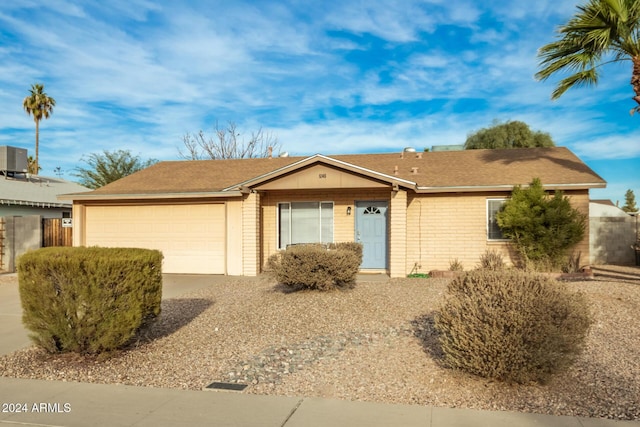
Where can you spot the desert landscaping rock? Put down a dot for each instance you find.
(375, 342)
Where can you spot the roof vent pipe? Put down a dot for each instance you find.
(414, 170)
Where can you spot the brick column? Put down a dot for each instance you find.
(398, 234)
(78, 214)
(251, 235)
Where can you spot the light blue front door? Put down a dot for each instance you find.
(371, 231)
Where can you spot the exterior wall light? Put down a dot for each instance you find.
(348, 210)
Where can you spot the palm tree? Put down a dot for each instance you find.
(601, 32)
(39, 105)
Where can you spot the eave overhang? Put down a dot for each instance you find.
(150, 196)
(34, 204)
(505, 187)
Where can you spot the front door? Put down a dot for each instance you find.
(371, 231)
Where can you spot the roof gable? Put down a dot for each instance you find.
(344, 174)
(318, 176)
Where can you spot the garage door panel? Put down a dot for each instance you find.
(191, 237)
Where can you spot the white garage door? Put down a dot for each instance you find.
(191, 237)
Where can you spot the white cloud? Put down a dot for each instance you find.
(609, 147)
(385, 19)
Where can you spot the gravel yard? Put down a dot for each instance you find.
(374, 343)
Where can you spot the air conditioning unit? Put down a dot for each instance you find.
(13, 159)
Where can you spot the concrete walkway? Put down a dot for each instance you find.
(55, 403)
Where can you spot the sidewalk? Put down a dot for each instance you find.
(54, 403)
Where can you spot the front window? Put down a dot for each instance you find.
(305, 222)
(493, 207)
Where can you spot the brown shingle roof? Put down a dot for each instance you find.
(435, 170)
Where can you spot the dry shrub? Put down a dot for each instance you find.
(491, 260)
(456, 265)
(315, 267)
(511, 325)
(350, 246)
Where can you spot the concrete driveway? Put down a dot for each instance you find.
(14, 336)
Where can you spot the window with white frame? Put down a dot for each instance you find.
(493, 207)
(304, 222)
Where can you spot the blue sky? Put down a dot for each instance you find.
(323, 76)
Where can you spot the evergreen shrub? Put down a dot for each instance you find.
(542, 227)
(88, 300)
(511, 325)
(316, 266)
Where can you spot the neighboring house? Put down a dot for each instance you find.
(23, 195)
(612, 233)
(25, 200)
(412, 211)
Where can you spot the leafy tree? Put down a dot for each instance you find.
(512, 134)
(542, 227)
(226, 144)
(109, 166)
(39, 105)
(601, 32)
(630, 202)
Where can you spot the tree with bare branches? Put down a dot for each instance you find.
(228, 143)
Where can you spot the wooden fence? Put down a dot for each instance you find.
(54, 234)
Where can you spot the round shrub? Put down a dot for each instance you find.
(511, 325)
(314, 266)
(88, 300)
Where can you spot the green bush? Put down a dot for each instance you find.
(541, 227)
(88, 300)
(315, 267)
(511, 325)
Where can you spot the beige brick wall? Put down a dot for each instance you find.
(234, 237)
(343, 225)
(398, 234)
(441, 228)
(445, 227)
(580, 200)
(251, 235)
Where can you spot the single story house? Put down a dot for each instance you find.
(412, 211)
(24, 195)
(26, 203)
